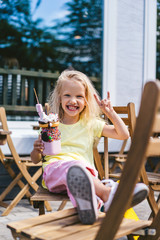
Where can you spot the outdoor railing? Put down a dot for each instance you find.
(16, 89)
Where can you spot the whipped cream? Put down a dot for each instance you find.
(51, 117)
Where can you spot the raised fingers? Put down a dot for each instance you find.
(97, 99)
(108, 95)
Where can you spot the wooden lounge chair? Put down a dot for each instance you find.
(152, 179)
(128, 115)
(23, 165)
(65, 224)
(149, 178)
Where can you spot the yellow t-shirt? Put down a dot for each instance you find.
(77, 142)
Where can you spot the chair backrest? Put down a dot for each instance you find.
(152, 179)
(4, 125)
(14, 154)
(148, 119)
(127, 113)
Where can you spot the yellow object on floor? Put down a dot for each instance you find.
(130, 214)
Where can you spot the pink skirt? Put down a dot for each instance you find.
(55, 175)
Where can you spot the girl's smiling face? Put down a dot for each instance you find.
(73, 101)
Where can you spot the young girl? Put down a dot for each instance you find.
(79, 108)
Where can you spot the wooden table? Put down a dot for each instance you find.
(65, 225)
(3, 136)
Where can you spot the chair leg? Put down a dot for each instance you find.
(112, 169)
(10, 186)
(16, 235)
(47, 206)
(155, 224)
(16, 200)
(62, 205)
(41, 208)
(41, 205)
(11, 172)
(116, 164)
(152, 203)
(20, 183)
(157, 167)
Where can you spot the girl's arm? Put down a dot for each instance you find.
(36, 154)
(118, 130)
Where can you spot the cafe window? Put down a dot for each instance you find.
(53, 35)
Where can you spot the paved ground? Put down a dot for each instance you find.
(23, 211)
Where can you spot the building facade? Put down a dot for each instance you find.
(129, 57)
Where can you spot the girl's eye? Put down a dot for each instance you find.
(79, 96)
(66, 95)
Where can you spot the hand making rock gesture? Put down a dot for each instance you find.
(105, 104)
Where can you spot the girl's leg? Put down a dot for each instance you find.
(101, 190)
(55, 176)
(80, 184)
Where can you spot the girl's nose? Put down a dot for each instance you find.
(73, 100)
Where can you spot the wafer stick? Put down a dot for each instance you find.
(36, 95)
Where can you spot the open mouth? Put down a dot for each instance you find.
(72, 108)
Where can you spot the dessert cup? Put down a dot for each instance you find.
(52, 148)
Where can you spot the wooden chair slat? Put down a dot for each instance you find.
(129, 225)
(156, 126)
(156, 187)
(129, 120)
(154, 147)
(44, 195)
(98, 163)
(27, 223)
(153, 178)
(30, 164)
(121, 109)
(49, 227)
(126, 227)
(126, 121)
(70, 225)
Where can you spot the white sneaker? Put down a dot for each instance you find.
(82, 188)
(139, 194)
(113, 185)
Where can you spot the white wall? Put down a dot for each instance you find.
(129, 58)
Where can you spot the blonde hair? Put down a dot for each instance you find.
(91, 111)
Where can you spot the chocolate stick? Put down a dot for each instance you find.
(36, 95)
